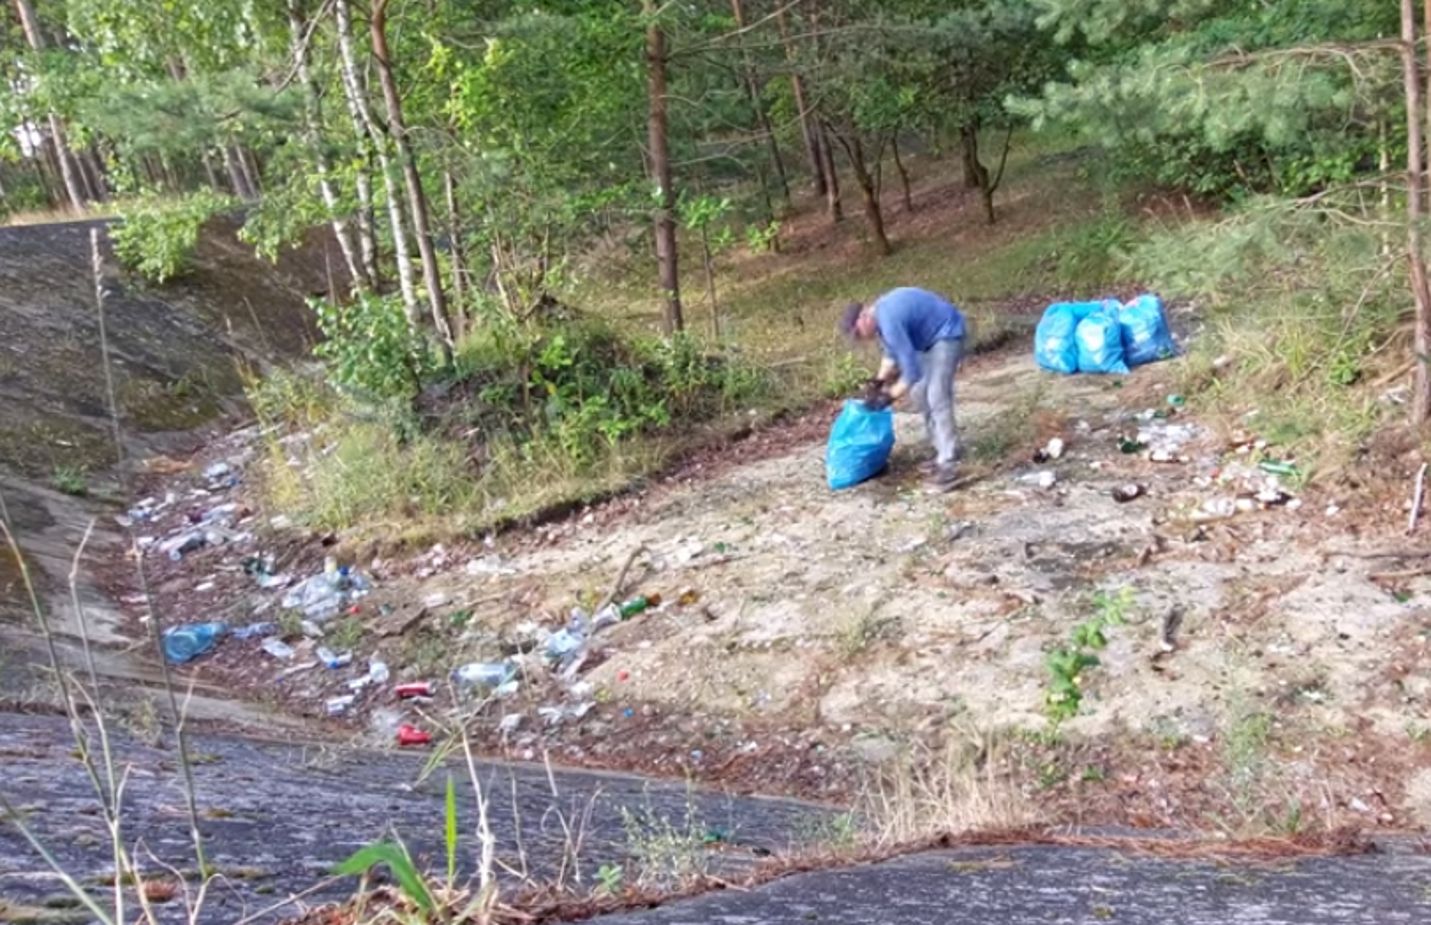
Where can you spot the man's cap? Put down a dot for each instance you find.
(850, 318)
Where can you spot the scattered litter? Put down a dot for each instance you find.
(323, 596)
(1125, 493)
(1129, 445)
(334, 660)
(255, 629)
(1051, 450)
(264, 571)
(186, 643)
(1219, 507)
(218, 471)
(488, 565)
(510, 723)
(337, 706)
(489, 676)
(377, 674)
(1172, 620)
(1165, 456)
(572, 711)
(310, 629)
(278, 648)
(688, 597)
(1278, 467)
(414, 689)
(180, 546)
(1044, 479)
(1176, 401)
(959, 530)
(639, 605)
(408, 735)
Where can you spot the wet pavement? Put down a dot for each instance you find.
(276, 817)
(1045, 884)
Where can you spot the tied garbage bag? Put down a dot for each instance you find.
(1146, 337)
(859, 446)
(1100, 344)
(1055, 348)
(186, 643)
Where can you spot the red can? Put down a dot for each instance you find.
(411, 735)
(414, 689)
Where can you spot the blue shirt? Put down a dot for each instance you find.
(910, 321)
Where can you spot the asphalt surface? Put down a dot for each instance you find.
(276, 818)
(1045, 884)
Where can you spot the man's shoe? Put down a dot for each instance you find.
(943, 479)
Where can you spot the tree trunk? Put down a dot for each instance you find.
(209, 172)
(68, 170)
(312, 126)
(807, 130)
(417, 199)
(365, 127)
(238, 174)
(1415, 176)
(833, 207)
(367, 234)
(98, 179)
(975, 175)
(855, 151)
(709, 263)
(459, 261)
(903, 175)
(762, 118)
(664, 217)
(245, 173)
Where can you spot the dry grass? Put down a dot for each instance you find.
(964, 787)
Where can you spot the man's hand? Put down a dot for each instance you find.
(875, 396)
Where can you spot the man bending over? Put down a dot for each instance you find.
(922, 336)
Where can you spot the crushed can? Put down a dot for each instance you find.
(408, 735)
(414, 689)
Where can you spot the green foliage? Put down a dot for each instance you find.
(71, 480)
(610, 880)
(1226, 98)
(158, 235)
(1066, 665)
(587, 389)
(1301, 300)
(450, 830)
(369, 345)
(395, 857)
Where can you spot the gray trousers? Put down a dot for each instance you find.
(933, 395)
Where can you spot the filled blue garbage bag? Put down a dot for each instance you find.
(860, 443)
(1146, 337)
(1054, 346)
(1100, 343)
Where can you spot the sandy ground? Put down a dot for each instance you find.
(807, 636)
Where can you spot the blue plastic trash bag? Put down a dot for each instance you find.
(186, 643)
(1146, 337)
(1100, 343)
(1054, 346)
(860, 444)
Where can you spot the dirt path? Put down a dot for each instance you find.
(808, 636)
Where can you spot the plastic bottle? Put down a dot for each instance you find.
(186, 643)
(331, 659)
(489, 675)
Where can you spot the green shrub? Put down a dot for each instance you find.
(158, 234)
(370, 346)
